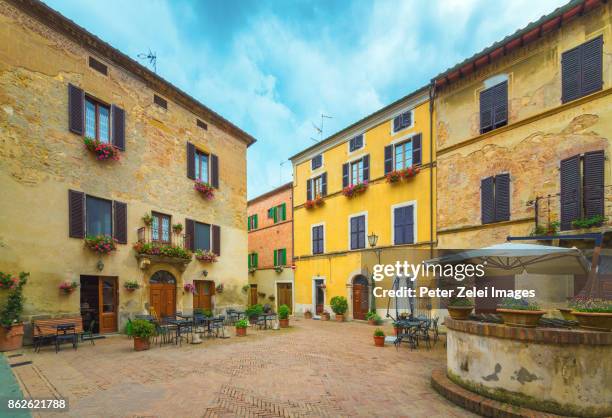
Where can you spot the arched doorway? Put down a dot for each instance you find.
(163, 293)
(361, 299)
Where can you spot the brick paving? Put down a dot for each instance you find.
(314, 369)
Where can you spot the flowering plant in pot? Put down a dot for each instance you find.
(68, 287)
(317, 201)
(131, 285)
(460, 308)
(373, 318)
(205, 188)
(165, 250)
(252, 312)
(189, 288)
(147, 219)
(11, 329)
(394, 176)
(102, 150)
(102, 244)
(177, 228)
(410, 172)
(339, 305)
(397, 327)
(206, 256)
(379, 338)
(241, 327)
(307, 314)
(520, 313)
(142, 331)
(7, 281)
(220, 288)
(283, 316)
(591, 313)
(355, 189)
(325, 316)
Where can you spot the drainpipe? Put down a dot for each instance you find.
(432, 95)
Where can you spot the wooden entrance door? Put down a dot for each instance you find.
(108, 296)
(253, 295)
(360, 297)
(163, 293)
(202, 299)
(319, 297)
(285, 295)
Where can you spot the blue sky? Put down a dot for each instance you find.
(272, 67)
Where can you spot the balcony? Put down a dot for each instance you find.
(150, 250)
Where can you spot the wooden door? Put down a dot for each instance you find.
(108, 297)
(285, 295)
(163, 299)
(202, 299)
(361, 303)
(320, 297)
(253, 295)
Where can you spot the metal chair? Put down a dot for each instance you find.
(218, 326)
(66, 333)
(89, 333)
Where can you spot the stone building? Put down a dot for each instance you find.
(61, 84)
(270, 260)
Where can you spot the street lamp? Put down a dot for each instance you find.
(373, 240)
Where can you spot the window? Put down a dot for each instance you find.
(495, 198)
(278, 213)
(317, 239)
(582, 187)
(98, 66)
(201, 166)
(201, 124)
(316, 162)
(160, 101)
(160, 228)
(253, 260)
(316, 187)
(357, 226)
(97, 120)
(403, 155)
(356, 172)
(252, 222)
(202, 236)
(402, 121)
(403, 224)
(98, 214)
(581, 70)
(280, 257)
(494, 107)
(356, 143)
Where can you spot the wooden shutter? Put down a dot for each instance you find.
(308, 190)
(190, 234)
(366, 167)
(255, 222)
(570, 191)
(416, 149)
(120, 220)
(190, 161)
(486, 110)
(214, 171)
(388, 159)
(592, 60)
(216, 239)
(345, 175)
(487, 202)
(76, 110)
(502, 197)
(324, 184)
(276, 257)
(396, 123)
(354, 232)
(594, 183)
(76, 214)
(283, 216)
(571, 79)
(500, 104)
(118, 127)
(249, 218)
(409, 219)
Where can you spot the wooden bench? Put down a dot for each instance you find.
(47, 327)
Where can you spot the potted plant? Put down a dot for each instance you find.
(147, 219)
(594, 314)
(373, 318)
(520, 313)
(206, 256)
(339, 305)
(379, 338)
(11, 329)
(131, 285)
(396, 328)
(189, 288)
(283, 316)
(142, 330)
(220, 288)
(460, 308)
(102, 150)
(278, 269)
(252, 312)
(68, 287)
(241, 328)
(102, 244)
(177, 228)
(8, 282)
(325, 316)
(307, 314)
(246, 288)
(206, 189)
(355, 189)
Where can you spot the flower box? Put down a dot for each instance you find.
(355, 189)
(68, 287)
(102, 244)
(404, 174)
(165, 250)
(206, 256)
(102, 150)
(311, 204)
(205, 188)
(130, 286)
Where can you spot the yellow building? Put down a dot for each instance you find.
(333, 255)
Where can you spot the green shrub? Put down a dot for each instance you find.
(589, 222)
(519, 304)
(339, 305)
(254, 311)
(283, 312)
(379, 333)
(581, 304)
(460, 302)
(142, 328)
(243, 323)
(11, 312)
(370, 315)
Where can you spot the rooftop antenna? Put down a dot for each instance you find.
(151, 57)
(319, 129)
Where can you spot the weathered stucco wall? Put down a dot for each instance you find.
(40, 160)
(266, 281)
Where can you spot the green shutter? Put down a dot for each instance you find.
(249, 223)
(255, 225)
(284, 257)
(275, 258)
(275, 209)
(283, 211)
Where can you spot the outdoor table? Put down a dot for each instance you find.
(180, 324)
(66, 332)
(269, 316)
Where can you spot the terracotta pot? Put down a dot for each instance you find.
(307, 315)
(520, 318)
(340, 317)
(396, 331)
(379, 341)
(371, 322)
(141, 344)
(284, 323)
(596, 321)
(324, 316)
(11, 338)
(241, 332)
(567, 314)
(460, 312)
(130, 289)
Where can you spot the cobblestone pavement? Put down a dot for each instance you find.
(314, 369)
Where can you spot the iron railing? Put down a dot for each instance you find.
(145, 236)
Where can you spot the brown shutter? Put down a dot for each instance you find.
(118, 127)
(190, 161)
(216, 239)
(76, 214)
(214, 171)
(571, 79)
(388, 159)
(500, 104)
(76, 110)
(486, 110)
(502, 197)
(594, 183)
(570, 191)
(324, 184)
(416, 149)
(309, 189)
(120, 220)
(190, 234)
(487, 202)
(345, 175)
(366, 167)
(592, 61)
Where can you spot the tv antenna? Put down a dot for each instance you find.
(319, 129)
(151, 57)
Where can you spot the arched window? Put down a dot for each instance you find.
(162, 277)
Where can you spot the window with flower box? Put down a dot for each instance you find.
(97, 120)
(93, 216)
(160, 228)
(201, 166)
(252, 222)
(253, 260)
(404, 154)
(356, 172)
(280, 257)
(316, 187)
